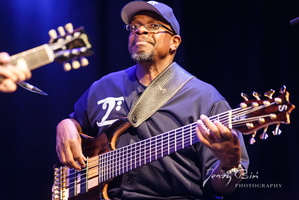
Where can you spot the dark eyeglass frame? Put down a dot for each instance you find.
(129, 27)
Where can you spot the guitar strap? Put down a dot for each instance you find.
(159, 91)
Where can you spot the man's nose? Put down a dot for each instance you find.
(141, 30)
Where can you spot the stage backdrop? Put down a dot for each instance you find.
(238, 46)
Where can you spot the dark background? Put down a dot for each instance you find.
(237, 46)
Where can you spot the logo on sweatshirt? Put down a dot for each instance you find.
(109, 104)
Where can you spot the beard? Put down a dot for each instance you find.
(143, 56)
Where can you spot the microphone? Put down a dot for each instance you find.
(294, 21)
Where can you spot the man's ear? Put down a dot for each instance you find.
(175, 43)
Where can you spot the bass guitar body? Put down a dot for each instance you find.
(70, 184)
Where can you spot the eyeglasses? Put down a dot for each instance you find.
(150, 27)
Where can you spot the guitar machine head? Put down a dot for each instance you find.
(256, 114)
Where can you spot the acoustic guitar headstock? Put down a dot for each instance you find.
(70, 44)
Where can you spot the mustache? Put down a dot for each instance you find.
(144, 38)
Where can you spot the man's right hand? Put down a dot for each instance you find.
(69, 144)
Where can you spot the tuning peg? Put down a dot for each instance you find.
(276, 131)
(269, 93)
(61, 31)
(69, 27)
(53, 34)
(67, 66)
(252, 139)
(256, 95)
(84, 62)
(76, 64)
(245, 96)
(75, 52)
(83, 49)
(283, 89)
(264, 135)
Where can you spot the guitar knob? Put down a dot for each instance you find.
(83, 49)
(283, 89)
(252, 139)
(84, 62)
(53, 34)
(69, 27)
(276, 131)
(256, 95)
(76, 64)
(75, 52)
(264, 135)
(61, 31)
(269, 93)
(245, 96)
(67, 66)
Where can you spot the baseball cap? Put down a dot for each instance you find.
(130, 9)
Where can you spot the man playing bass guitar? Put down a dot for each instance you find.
(195, 171)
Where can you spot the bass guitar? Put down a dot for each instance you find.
(105, 162)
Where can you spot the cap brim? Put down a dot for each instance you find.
(132, 8)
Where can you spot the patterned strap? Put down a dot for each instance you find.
(160, 90)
